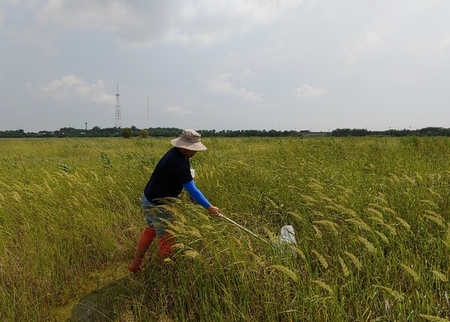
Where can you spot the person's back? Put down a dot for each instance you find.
(171, 172)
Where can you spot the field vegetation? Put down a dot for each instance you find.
(371, 217)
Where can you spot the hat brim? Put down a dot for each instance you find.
(179, 143)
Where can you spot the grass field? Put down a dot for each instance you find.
(371, 217)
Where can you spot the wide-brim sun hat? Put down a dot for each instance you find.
(189, 140)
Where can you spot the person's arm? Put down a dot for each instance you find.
(198, 196)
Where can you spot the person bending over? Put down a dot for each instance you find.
(171, 174)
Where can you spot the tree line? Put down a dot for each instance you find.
(133, 131)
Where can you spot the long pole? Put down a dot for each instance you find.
(242, 227)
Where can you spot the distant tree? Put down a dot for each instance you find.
(127, 133)
(341, 132)
(174, 132)
(143, 134)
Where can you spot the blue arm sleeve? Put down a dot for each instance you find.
(196, 194)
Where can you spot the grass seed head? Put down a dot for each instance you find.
(410, 271)
(403, 223)
(344, 267)
(440, 276)
(321, 259)
(354, 259)
(288, 272)
(433, 318)
(324, 286)
(369, 246)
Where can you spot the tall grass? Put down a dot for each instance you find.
(370, 214)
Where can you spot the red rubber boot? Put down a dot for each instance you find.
(166, 243)
(144, 242)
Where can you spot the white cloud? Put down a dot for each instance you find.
(72, 86)
(200, 22)
(309, 92)
(248, 96)
(221, 85)
(177, 110)
(371, 40)
(247, 73)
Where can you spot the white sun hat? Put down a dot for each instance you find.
(189, 140)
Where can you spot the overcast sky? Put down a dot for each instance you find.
(314, 65)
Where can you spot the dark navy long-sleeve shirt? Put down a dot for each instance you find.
(171, 172)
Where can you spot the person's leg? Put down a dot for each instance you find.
(158, 219)
(144, 242)
(146, 237)
(166, 243)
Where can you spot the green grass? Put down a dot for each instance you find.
(371, 217)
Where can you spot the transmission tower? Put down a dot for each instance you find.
(118, 113)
